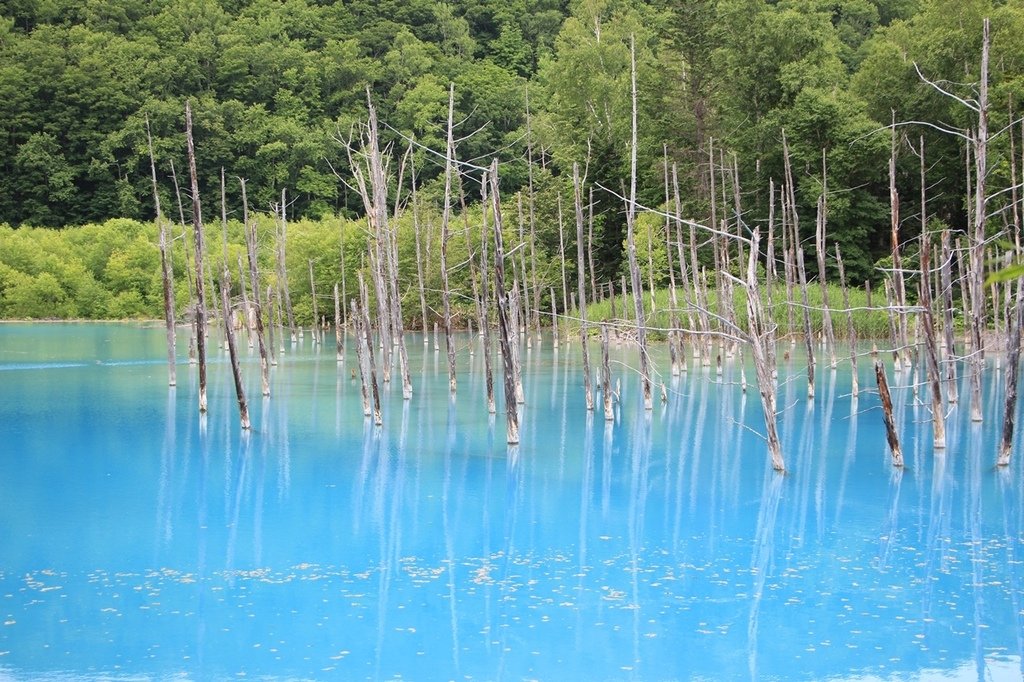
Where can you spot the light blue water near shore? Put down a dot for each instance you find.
(140, 541)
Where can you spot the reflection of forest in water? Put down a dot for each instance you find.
(658, 545)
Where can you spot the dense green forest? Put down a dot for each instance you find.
(277, 86)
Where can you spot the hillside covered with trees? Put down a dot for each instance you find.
(278, 85)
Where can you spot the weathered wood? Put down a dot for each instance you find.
(449, 169)
(1012, 372)
(928, 318)
(588, 391)
(166, 270)
(246, 306)
(820, 247)
(249, 230)
(419, 254)
(371, 361)
(197, 226)
(554, 319)
(634, 268)
(890, 423)
(946, 283)
(284, 292)
(851, 329)
(504, 330)
(808, 334)
(361, 352)
(899, 292)
(761, 333)
(312, 295)
(485, 299)
(976, 277)
(339, 341)
(229, 333)
(606, 376)
(590, 250)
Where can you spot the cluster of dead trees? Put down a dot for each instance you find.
(764, 260)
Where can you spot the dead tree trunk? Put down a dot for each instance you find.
(166, 271)
(930, 339)
(946, 282)
(808, 333)
(188, 266)
(511, 409)
(371, 362)
(229, 332)
(361, 353)
(338, 337)
(977, 241)
(445, 219)
(822, 220)
(899, 286)
(1012, 370)
(282, 268)
(249, 229)
(312, 295)
(588, 390)
(419, 256)
(887, 415)
(634, 268)
(197, 226)
(485, 298)
(762, 339)
(606, 376)
(851, 329)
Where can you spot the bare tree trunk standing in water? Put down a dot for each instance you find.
(634, 268)
(282, 266)
(229, 332)
(166, 270)
(977, 241)
(931, 341)
(485, 295)
(249, 229)
(445, 219)
(511, 408)
(1012, 370)
(197, 226)
(588, 389)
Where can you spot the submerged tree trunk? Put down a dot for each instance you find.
(887, 415)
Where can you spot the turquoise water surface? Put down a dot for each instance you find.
(141, 541)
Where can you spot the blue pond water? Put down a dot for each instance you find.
(140, 541)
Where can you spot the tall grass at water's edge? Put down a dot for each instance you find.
(869, 322)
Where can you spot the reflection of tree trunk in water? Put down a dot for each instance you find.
(447, 500)
(977, 551)
(586, 498)
(761, 560)
(513, 494)
(849, 455)
(638, 489)
(1010, 535)
(165, 491)
(890, 537)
